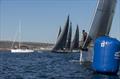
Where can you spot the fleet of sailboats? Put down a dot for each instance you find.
(100, 26)
(64, 43)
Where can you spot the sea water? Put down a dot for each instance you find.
(46, 65)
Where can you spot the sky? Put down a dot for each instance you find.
(41, 19)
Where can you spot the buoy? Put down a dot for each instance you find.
(106, 55)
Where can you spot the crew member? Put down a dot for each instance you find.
(84, 35)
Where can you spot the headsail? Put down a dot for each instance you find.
(68, 41)
(75, 43)
(102, 20)
(60, 44)
(59, 32)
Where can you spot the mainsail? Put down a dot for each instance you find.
(75, 43)
(59, 32)
(60, 44)
(68, 41)
(102, 21)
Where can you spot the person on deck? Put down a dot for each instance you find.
(84, 35)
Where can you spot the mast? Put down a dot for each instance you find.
(68, 41)
(102, 21)
(19, 34)
(75, 43)
(60, 44)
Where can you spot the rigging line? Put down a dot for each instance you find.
(95, 10)
(118, 23)
(20, 25)
(14, 40)
(17, 34)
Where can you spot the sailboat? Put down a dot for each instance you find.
(19, 49)
(102, 21)
(75, 43)
(64, 43)
(68, 41)
(101, 24)
(61, 41)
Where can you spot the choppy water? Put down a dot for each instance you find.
(45, 66)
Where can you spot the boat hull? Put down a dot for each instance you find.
(21, 51)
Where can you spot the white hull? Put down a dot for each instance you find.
(75, 50)
(21, 51)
